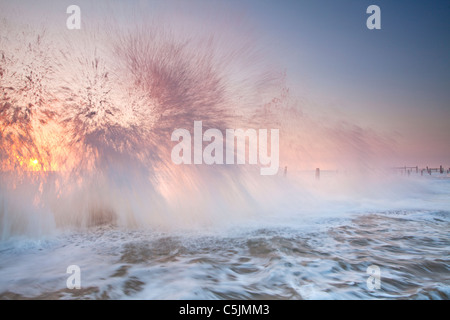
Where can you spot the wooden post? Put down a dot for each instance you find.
(441, 169)
(285, 171)
(417, 169)
(317, 173)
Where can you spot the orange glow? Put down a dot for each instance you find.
(34, 165)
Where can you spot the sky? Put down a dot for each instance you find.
(395, 80)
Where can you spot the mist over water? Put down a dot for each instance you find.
(86, 177)
(313, 247)
(87, 118)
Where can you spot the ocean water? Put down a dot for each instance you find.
(87, 176)
(296, 253)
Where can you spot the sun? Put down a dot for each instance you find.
(34, 164)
